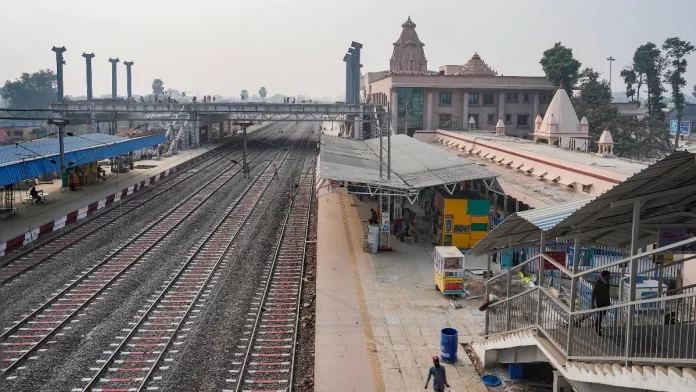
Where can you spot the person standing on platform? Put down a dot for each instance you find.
(437, 372)
(601, 298)
(35, 195)
(275, 172)
(246, 171)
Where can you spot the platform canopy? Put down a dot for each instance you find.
(414, 165)
(33, 159)
(665, 192)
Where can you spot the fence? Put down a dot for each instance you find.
(659, 327)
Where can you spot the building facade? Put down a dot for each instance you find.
(456, 97)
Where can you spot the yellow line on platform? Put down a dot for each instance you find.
(367, 328)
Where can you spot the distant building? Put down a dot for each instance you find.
(688, 115)
(456, 97)
(15, 131)
(630, 109)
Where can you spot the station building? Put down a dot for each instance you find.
(456, 97)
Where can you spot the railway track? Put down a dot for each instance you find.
(34, 331)
(37, 255)
(269, 345)
(134, 362)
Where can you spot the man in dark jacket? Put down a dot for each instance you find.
(601, 298)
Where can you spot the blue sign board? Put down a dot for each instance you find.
(684, 129)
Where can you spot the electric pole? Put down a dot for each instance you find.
(610, 59)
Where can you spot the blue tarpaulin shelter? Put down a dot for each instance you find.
(33, 159)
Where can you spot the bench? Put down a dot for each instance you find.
(29, 199)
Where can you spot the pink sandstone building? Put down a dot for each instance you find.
(457, 97)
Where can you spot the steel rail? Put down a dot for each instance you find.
(178, 178)
(176, 279)
(141, 235)
(276, 257)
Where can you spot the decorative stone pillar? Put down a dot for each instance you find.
(501, 104)
(429, 109)
(394, 107)
(114, 90)
(88, 60)
(129, 90)
(59, 70)
(465, 111)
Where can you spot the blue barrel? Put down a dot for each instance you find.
(449, 340)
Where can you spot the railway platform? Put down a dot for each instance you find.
(378, 315)
(32, 220)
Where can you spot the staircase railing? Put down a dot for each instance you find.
(655, 328)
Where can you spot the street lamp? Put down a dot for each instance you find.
(610, 59)
(60, 123)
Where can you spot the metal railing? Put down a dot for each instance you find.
(659, 327)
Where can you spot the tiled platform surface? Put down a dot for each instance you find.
(396, 294)
(32, 216)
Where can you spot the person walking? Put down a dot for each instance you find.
(601, 299)
(275, 172)
(246, 171)
(439, 375)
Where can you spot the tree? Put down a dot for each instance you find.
(635, 139)
(244, 95)
(631, 78)
(559, 65)
(157, 87)
(262, 93)
(677, 50)
(31, 91)
(649, 62)
(694, 91)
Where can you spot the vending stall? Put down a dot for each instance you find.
(462, 218)
(449, 270)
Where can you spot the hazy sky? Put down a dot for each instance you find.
(291, 47)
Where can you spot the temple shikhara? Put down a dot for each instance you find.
(472, 95)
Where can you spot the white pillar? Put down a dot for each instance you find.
(394, 107)
(429, 108)
(536, 104)
(465, 111)
(501, 105)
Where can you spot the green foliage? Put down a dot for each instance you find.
(157, 87)
(631, 78)
(560, 66)
(694, 91)
(30, 91)
(647, 138)
(649, 62)
(263, 92)
(244, 95)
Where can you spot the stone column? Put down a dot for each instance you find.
(88, 59)
(429, 109)
(465, 111)
(128, 65)
(114, 90)
(501, 105)
(59, 70)
(536, 104)
(394, 107)
(221, 131)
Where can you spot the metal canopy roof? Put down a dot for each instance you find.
(666, 191)
(414, 164)
(517, 228)
(32, 159)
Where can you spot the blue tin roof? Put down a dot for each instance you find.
(32, 159)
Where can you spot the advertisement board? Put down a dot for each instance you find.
(684, 129)
(558, 256)
(670, 235)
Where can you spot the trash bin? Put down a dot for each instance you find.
(449, 340)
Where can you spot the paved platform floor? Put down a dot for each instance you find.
(58, 204)
(379, 316)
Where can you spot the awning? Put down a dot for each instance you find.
(33, 159)
(414, 164)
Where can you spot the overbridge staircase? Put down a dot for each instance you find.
(645, 345)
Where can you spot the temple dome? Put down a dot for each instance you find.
(561, 113)
(476, 67)
(408, 56)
